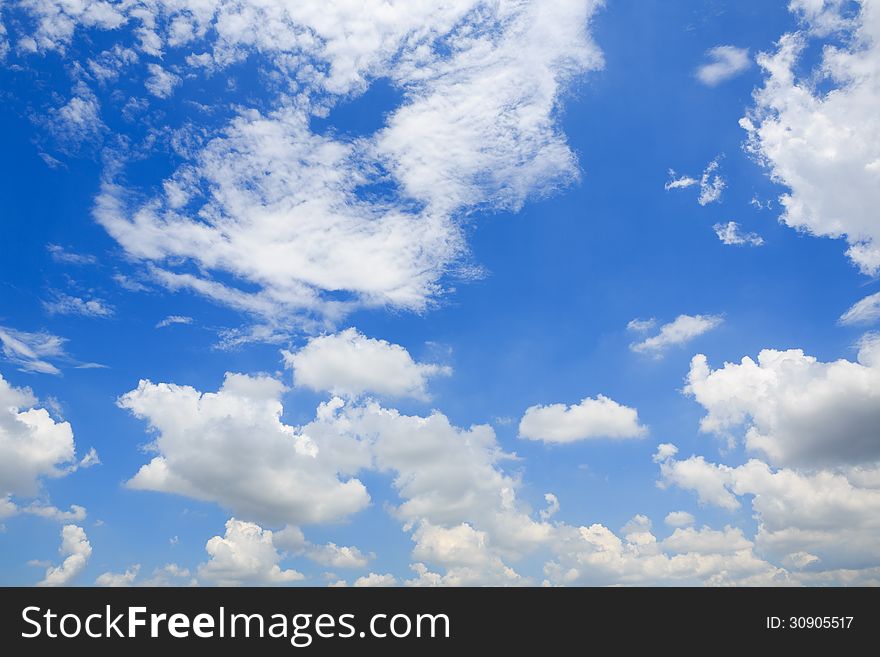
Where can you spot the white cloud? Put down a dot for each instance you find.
(32, 444)
(63, 256)
(483, 85)
(679, 519)
(864, 311)
(350, 364)
(591, 418)
(65, 304)
(794, 409)
(552, 506)
(174, 319)
(681, 330)
(337, 556)
(711, 183)
(821, 512)
(32, 351)
(731, 235)
(161, 82)
(679, 182)
(374, 579)
(725, 62)
(641, 325)
(245, 554)
(824, 144)
(231, 447)
(76, 549)
(117, 580)
(594, 555)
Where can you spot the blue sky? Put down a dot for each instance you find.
(514, 258)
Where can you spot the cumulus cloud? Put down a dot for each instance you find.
(375, 579)
(864, 311)
(823, 143)
(76, 550)
(245, 554)
(725, 62)
(591, 418)
(351, 364)
(792, 408)
(681, 330)
(824, 514)
(731, 234)
(232, 448)
(33, 445)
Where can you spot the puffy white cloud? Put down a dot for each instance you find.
(118, 580)
(350, 364)
(32, 444)
(795, 409)
(245, 554)
(375, 579)
(732, 235)
(864, 311)
(828, 515)
(681, 330)
(725, 62)
(824, 144)
(679, 519)
(231, 447)
(591, 418)
(594, 555)
(76, 549)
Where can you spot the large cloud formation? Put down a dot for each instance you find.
(824, 145)
(270, 216)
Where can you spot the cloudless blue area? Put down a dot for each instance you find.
(546, 324)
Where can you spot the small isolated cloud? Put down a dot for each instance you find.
(681, 330)
(31, 351)
(725, 62)
(732, 235)
(76, 549)
(710, 182)
(351, 364)
(592, 418)
(174, 319)
(61, 255)
(64, 304)
(679, 182)
(866, 311)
